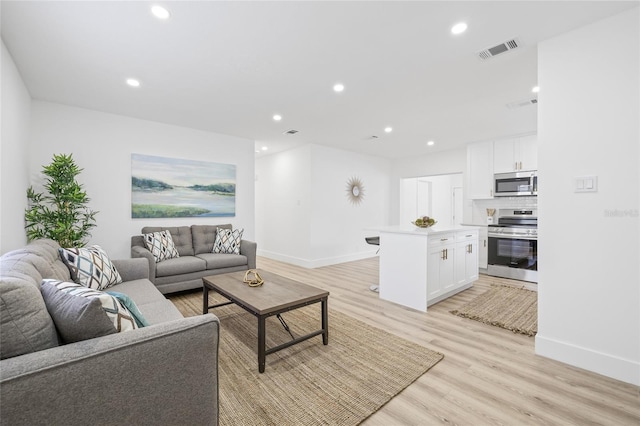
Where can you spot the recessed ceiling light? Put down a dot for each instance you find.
(430, 143)
(535, 89)
(264, 148)
(277, 117)
(459, 28)
(388, 129)
(133, 82)
(160, 12)
(338, 87)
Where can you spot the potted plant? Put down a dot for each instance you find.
(62, 214)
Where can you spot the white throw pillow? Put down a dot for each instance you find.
(228, 241)
(90, 266)
(161, 245)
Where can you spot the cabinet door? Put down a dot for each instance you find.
(504, 157)
(527, 155)
(435, 286)
(483, 248)
(471, 261)
(460, 265)
(479, 177)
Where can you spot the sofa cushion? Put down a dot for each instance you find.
(118, 314)
(142, 291)
(180, 265)
(222, 260)
(160, 312)
(25, 323)
(161, 245)
(228, 241)
(181, 236)
(90, 266)
(76, 318)
(204, 236)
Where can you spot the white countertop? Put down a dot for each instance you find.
(434, 230)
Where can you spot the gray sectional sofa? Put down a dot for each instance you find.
(164, 373)
(194, 244)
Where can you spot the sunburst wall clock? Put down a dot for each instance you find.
(355, 190)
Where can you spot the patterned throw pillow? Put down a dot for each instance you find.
(90, 267)
(228, 241)
(161, 245)
(115, 311)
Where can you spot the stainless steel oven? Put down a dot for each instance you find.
(513, 245)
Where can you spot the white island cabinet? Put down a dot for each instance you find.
(419, 267)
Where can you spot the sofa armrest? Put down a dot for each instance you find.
(162, 374)
(249, 248)
(132, 269)
(137, 251)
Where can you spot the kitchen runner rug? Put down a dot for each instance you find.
(342, 383)
(513, 308)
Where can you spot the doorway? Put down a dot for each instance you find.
(440, 197)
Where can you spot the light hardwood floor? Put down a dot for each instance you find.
(489, 376)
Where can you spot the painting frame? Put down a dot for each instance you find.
(168, 187)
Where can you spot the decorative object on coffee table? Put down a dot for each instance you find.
(255, 281)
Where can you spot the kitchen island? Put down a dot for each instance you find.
(422, 266)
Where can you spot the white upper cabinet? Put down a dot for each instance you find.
(514, 155)
(479, 177)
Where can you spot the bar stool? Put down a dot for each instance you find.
(374, 241)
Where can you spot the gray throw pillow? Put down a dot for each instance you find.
(25, 323)
(76, 318)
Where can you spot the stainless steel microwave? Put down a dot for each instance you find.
(516, 184)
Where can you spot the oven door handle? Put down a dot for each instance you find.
(515, 237)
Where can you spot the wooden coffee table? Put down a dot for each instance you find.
(277, 295)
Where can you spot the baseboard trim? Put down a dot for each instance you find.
(622, 369)
(316, 263)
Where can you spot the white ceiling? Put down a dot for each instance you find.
(227, 67)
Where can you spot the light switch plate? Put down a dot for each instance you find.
(586, 184)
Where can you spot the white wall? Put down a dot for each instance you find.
(589, 109)
(102, 145)
(439, 163)
(14, 160)
(283, 205)
(303, 215)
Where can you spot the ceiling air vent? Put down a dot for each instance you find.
(290, 132)
(522, 103)
(498, 49)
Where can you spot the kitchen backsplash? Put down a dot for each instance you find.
(479, 207)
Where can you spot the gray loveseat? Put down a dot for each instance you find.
(194, 244)
(165, 373)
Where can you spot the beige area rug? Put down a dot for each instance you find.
(513, 308)
(342, 383)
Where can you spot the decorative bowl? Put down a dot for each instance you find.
(425, 226)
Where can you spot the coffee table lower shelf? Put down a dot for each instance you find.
(263, 351)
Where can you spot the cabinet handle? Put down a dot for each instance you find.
(484, 242)
(491, 192)
(444, 239)
(470, 235)
(516, 166)
(446, 254)
(521, 165)
(442, 257)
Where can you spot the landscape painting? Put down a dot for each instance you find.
(168, 187)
